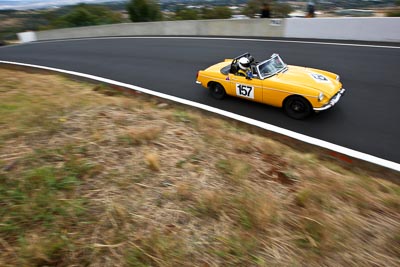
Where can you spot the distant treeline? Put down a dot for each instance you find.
(13, 21)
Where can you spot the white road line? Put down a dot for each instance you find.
(263, 125)
(220, 38)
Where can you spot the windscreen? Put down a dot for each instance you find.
(271, 66)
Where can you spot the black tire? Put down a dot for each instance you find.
(217, 91)
(297, 107)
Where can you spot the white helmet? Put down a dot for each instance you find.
(244, 63)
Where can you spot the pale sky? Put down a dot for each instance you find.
(32, 4)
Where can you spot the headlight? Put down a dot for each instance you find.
(320, 97)
(338, 78)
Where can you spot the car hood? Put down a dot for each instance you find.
(319, 80)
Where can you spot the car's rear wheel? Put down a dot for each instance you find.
(217, 91)
(297, 107)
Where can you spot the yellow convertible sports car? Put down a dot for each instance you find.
(299, 90)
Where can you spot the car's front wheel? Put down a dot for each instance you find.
(297, 107)
(217, 91)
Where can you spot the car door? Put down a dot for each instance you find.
(246, 88)
(274, 92)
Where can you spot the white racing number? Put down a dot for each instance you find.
(245, 90)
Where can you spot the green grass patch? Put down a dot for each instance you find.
(209, 204)
(237, 249)
(40, 196)
(235, 170)
(184, 116)
(107, 90)
(158, 249)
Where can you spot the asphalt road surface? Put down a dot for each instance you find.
(366, 119)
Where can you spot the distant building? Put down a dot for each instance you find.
(240, 17)
(297, 14)
(354, 12)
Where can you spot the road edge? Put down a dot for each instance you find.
(265, 126)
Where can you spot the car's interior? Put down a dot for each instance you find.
(234, 66)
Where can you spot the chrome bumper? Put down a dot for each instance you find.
(198, 82)
(333, 101)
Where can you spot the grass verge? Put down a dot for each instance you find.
(90, 177)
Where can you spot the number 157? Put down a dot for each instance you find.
(244, 90)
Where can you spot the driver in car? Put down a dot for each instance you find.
(244, 68)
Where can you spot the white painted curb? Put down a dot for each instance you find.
(263, 125)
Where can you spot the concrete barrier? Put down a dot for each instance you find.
(246, 27)
(26, 37)
(362, 29)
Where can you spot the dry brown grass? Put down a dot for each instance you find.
(153, 161)
(93, 178)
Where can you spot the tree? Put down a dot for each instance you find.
(80, 16)
(252, 8)
(281, 10)
(395, 12)
(144, 10)
(86, 15)
(186, 14)
(278, 10)
(219, 12)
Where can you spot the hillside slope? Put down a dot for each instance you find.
(90, 176)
